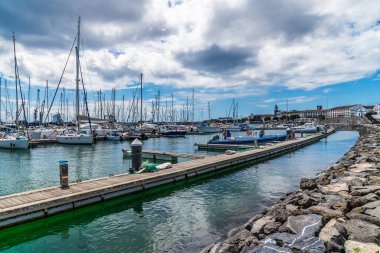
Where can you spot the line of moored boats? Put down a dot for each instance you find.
(10, 138)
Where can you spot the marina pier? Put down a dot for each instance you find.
(27, 206)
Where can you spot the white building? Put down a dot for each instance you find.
(377, 109)
(345, 111)
(311, 113)
(363, 110)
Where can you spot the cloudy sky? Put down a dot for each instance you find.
(262, 53)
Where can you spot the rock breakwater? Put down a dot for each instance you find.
(337, 211)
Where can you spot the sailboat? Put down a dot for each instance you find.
(16, 141)
(76, 137)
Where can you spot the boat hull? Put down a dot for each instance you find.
(14, 144)
(80, 140)
(173, 134)
(247, 140)
(305, 130)
(209, 129)
(113, 138)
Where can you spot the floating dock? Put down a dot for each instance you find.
(27, 206)
(160, 155)
(223, 146)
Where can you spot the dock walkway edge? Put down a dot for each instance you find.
(23, 207)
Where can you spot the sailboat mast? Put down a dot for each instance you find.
(77, 76)
(141, 101)
(0, 100)
(29, 101)
(193, 105)
(209, 111)
(16, 77)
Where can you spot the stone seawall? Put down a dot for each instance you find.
(337, 211)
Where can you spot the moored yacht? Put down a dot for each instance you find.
(75, 138)
(206, 128)
(306, 128)
(11, 142)
(78, 137)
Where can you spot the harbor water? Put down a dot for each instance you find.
(183, 217)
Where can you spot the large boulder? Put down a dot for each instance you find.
(360, 247)
(293, 210)
(270, 249)
(333, 188)
(279, 214)
(361, 191)
(271, 227)
(248, 225)
(360, 201)
(359, 230)
(298, 243)
(326, 212)
(306, 201)
(258, 226)
(306, 225)
(331, 236)
(308, 184)
(372, 209)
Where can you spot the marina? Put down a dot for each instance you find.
(23, 207)
(163, 208)
(189, 126)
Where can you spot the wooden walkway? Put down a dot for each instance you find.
(23, 207)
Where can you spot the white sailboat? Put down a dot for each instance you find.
(76, 137)
(11, 142)
(18, 141)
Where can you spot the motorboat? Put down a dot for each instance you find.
(206, 128)
(232, 128)
(114, 136)
(172, 131)
(250, 138)
(306, 128)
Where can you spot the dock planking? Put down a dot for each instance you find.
(23, 207)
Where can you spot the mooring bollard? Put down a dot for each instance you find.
(64, 173)
(136, 148)
(256, 144)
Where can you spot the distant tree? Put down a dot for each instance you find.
(283, 117)
(275, 118)
(322, 117)
(267, 118)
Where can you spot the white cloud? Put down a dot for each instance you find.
(303, 46)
